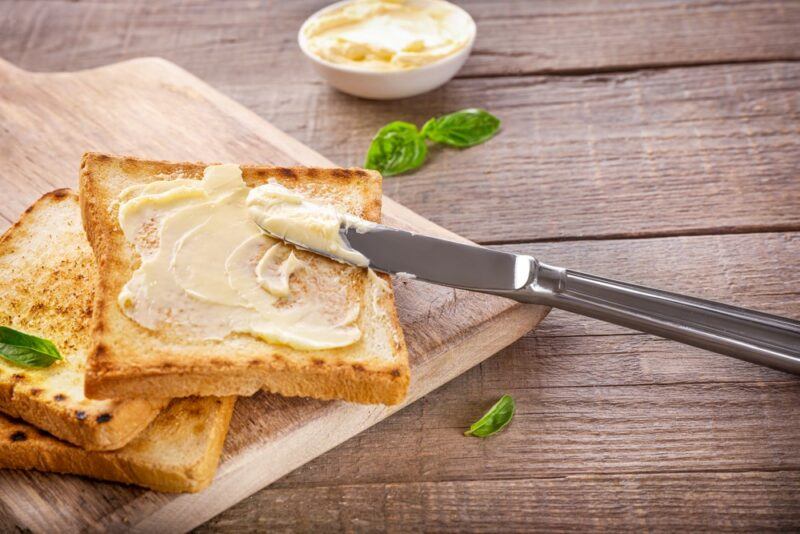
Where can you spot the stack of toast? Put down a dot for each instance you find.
(138, 406)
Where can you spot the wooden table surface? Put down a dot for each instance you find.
(654, 141)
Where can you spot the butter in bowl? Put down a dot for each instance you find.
(387, 49)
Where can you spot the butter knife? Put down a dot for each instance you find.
(751, 336)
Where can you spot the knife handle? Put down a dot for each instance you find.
(748, 335)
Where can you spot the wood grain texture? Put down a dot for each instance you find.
(151, 107)
(696, 502)
(562, 431)
(514, 37)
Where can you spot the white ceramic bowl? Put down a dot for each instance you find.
(386, 85)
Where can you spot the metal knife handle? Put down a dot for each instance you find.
(748, 335)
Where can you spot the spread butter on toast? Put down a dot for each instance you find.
(130, 361)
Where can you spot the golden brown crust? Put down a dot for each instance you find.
(47, 274)
(178, 452)
(90, 426)
(326, 382)
(129, 361)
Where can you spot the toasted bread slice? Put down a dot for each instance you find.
(178, 452)
(47, 278)
(48, 275)
(130, 361)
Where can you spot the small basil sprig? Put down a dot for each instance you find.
(462, 129)
(27, 350)
(396, 148)
(494, 420)
(400, 147)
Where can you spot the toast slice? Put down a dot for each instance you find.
(178, 452)
(47, 279)
(130, 361)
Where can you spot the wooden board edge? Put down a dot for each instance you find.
(228, 106)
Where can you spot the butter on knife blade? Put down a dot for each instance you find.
(322, 229)
(287, 215)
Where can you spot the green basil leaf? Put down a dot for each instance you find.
(462, 129)
(27, 350)
(494, 420)
(397, 147)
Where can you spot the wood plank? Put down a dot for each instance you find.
(541, 361)
(566, 431)
(687, 150)
(513, 37)
(570, 36)
(152, 108)
(720, 502)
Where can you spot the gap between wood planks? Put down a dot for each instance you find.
(277, 486)
(655, 384)
(621, 69)
(714, 231)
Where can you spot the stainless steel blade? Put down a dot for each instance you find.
(439, 261)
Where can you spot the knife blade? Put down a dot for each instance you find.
(439, 261)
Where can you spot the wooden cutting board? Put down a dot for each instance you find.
(152, 108)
